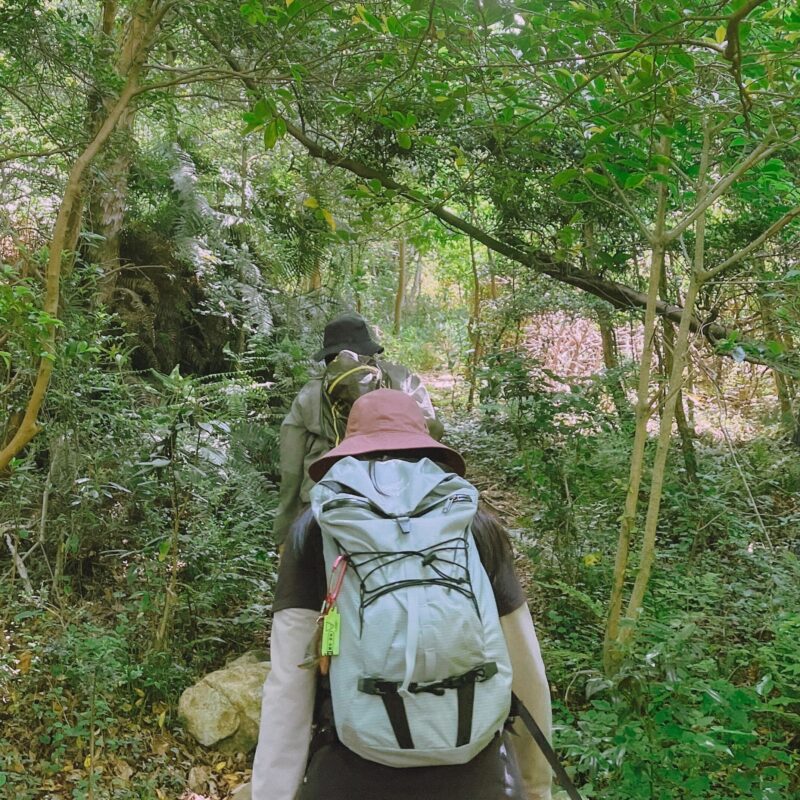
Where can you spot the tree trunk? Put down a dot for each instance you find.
(684, 430)
(611, 363)
(474, 327)
(401, 285)
(416, 286)
(65, 231)
(615, 648)
(611, 655)
(782, 385)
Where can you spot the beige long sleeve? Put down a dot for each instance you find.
(530, 685)
(287, 709)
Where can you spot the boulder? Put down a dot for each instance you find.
(223, 709)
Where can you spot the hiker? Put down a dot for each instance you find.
(310, 428)
(419, 683)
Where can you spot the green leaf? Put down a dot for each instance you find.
(635, 180)
(598, 179)
(684, 59)
(764, 686)
(404, 140)
(163, 549)
(271, 134)
(565, 177)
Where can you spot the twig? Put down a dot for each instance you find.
(19, 564)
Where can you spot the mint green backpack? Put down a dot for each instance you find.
(420, 674)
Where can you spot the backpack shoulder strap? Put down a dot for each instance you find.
(541, 740)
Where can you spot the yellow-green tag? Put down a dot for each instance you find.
(330, 633)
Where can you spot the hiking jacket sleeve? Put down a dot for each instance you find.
(530, 685)
(293, 445)
(287, 709)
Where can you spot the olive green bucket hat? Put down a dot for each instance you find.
(348, 331)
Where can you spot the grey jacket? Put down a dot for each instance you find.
(303, 441)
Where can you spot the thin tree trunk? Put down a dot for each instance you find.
(607, 336)
(243, 179)
(611, 654)
(492, 274)
(648, 548)
(684, 431)
(416, 286)
(474, 327)
(611, 363)
(65, 231)
(781, 384)
(401, 285)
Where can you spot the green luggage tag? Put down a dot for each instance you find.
(331, 627)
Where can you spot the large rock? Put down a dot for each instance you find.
(223, 709)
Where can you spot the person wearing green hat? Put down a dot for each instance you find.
(315, 422)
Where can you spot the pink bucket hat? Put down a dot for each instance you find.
(382, 421)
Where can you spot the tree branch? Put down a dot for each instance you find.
(745, 251)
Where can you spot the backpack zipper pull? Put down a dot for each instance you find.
(454, 498)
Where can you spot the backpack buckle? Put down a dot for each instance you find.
(376, 686)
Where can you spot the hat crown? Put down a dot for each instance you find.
(344, 329)
(383, 411)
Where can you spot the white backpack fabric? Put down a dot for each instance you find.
(423, 676)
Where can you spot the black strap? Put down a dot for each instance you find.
(466, 701)
(396, 711)
(544, 746)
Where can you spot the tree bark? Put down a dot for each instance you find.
(623, 634)
(474, 327)
(67, 225)
(619, 295)
(781, 383)
(684, 431)
(611, 655)
(401, 285)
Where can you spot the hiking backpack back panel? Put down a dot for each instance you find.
(422, 676)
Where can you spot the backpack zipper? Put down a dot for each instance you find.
(364, 503)
(455, 498)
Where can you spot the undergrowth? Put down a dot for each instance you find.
(706, 705)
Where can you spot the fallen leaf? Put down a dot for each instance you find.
(123, 769)
(25, 662)
(198, 777)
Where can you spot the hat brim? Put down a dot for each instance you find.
(363, 348)
(385, 442)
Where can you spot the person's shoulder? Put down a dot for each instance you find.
(492, 540)
(306, 403)
(310, 387)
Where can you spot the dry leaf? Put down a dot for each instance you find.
(123, 769)
(25, 662)
(198, 777)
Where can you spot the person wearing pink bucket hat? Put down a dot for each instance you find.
(299, 754)
(387, 421)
